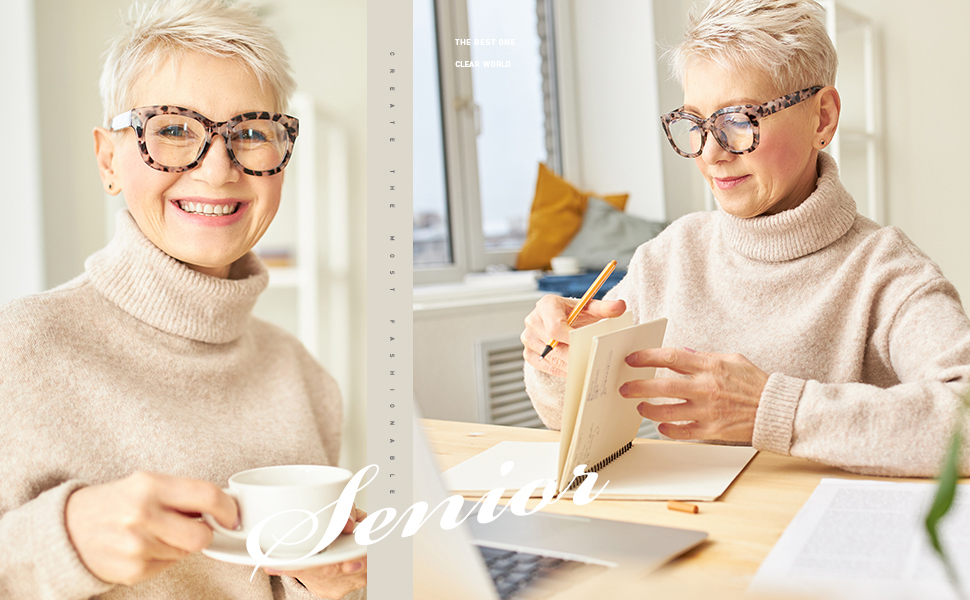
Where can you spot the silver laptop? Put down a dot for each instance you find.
(512, 555)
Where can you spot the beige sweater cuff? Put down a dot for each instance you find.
(547, 394)
(775, 419)
(54, 563)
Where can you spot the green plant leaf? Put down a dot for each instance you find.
(945, 493)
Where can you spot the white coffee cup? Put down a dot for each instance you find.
(288, 503)
(566, 265)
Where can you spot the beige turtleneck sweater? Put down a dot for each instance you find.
(144, 364)
(866, 343)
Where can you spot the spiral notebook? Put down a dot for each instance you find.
(598, 429)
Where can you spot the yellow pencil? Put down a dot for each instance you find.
(582, 304)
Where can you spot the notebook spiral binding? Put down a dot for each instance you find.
(579, 480)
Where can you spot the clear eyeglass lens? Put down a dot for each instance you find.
(686, 135)
(735, 131)
(259, 145)
(174, 140)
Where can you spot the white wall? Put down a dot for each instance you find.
(445, 368)
(610, 101)
(683, 186)
(925, 47)
(71, 35)
(20, 229)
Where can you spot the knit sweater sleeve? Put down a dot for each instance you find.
(547, 393)
(900, 430)
(37, 560)
(323, 396)
(328, 410)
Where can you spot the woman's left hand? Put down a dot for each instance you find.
(721, 395)
(337, 580)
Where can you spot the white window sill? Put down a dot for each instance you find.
(478, 289)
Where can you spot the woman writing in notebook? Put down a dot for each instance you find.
(795, 324)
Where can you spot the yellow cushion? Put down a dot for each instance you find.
(557, 213)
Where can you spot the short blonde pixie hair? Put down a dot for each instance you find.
(784, 38)
(168, 29)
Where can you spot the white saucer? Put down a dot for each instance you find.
(233, 551)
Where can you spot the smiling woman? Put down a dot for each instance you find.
(158, 192)
(132, 393)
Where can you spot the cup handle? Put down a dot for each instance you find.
(211, 522)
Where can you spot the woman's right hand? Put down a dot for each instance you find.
(548, 322)
(131, 529)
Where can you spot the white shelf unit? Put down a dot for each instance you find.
(303, 276)
(858, 143)
(312, 226)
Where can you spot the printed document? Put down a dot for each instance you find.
(866, 539)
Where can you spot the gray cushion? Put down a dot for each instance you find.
(608, 234)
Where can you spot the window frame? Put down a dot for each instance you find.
(460, 132)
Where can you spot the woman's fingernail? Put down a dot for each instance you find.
(624, 389)
(640, 406)
(691, 350)
(631, 359)
(354, 567)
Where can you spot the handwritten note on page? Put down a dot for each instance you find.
(605, 420)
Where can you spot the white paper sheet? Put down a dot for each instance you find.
(866, 539)
(675, 471)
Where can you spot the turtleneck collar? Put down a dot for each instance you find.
(157, 289)
(825, 216)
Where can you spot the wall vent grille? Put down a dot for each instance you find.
(501, 388)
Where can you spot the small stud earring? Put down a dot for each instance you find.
(111, 186)
(823, 142)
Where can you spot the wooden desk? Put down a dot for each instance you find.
(743, 524)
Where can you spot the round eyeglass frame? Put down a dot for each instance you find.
(136, 118)
(754, 112)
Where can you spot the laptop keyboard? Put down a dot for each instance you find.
(512, 571)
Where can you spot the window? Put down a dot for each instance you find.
(432, 236)
(484, 117)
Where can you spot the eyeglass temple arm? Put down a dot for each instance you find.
(121, 121)
(805, 95)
